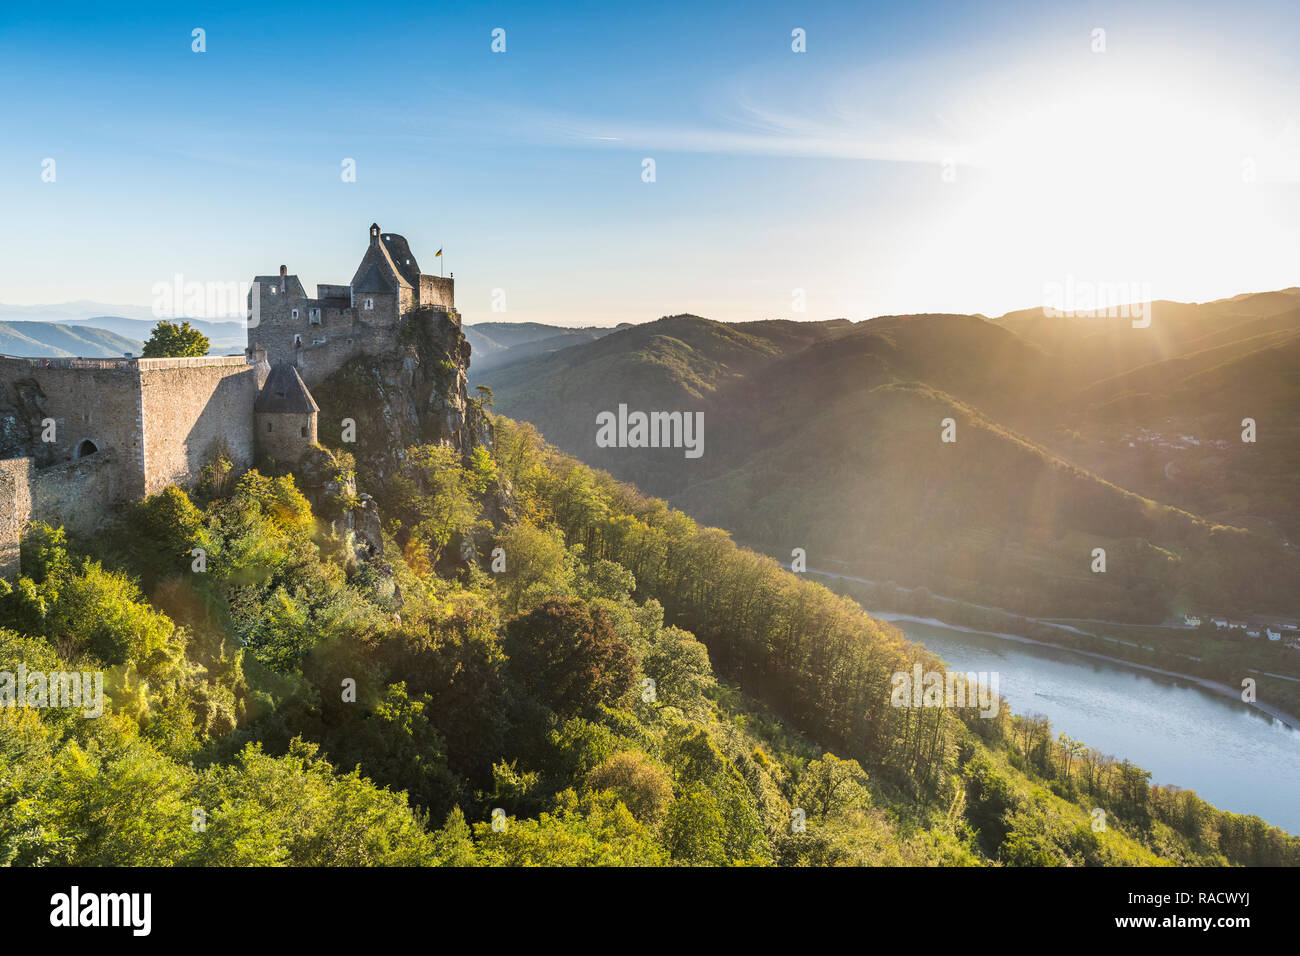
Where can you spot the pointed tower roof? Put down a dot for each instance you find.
(285, 392)
(379, 270)
(374, 279)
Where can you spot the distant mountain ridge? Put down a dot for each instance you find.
(494, 344)
(1074, 432)
(223, 337)
(56, 340)
(130, 322)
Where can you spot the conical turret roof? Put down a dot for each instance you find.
(285, 392)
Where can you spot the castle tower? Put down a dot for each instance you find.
(319, 334)
(284, 416)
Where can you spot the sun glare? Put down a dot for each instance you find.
(1141, 177)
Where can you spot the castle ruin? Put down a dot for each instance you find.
(81, 436)
(318, 335)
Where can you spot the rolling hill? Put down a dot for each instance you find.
(128, 321)
(52, 340)
(826, 436)
(224, 337)
(500, 343)
(675, 362)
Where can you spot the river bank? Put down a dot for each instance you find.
(1216, 687)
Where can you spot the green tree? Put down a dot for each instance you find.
(714, 820)
(169, 340)
(832, 787)
(396, 746)
(169, 527)
(597, 830)
(535, 566)
(679, 666)
(294, 810)
(435, 496)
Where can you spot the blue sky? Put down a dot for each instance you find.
(918, 157)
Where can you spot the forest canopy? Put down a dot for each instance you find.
(579, 676)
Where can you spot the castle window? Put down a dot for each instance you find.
(297, 341)
(86, 447)
(295, 313)
(304, 431)
(268, 426)
(313, 316)
(272, 290)
(368, 304)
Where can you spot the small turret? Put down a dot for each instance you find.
(285, 416)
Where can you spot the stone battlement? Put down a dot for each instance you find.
(126, 364)
(202, 361)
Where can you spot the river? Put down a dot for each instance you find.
(1233, 755)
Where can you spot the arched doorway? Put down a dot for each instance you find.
(86, 447)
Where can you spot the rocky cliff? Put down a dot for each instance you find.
(417, 395)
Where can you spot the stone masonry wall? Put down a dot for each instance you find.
(437, 292)
(90, 400)
(190, 406)
(79, 494)
(123, 429)
(320, 360)
(15, 510)
(340, 330)
(285, 437)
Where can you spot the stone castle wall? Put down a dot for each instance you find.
(318, 361)
(78, 495)
(95, 404)
(437, 292)
(191, 407)
(318, 348)
(15, 509)
(123, 429)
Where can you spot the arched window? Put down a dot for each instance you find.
(86, 447)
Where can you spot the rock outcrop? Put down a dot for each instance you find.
(418, 395)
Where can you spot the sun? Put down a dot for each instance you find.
(1134, 177)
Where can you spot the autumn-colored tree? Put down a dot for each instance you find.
(565, 653)
(644, 787)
